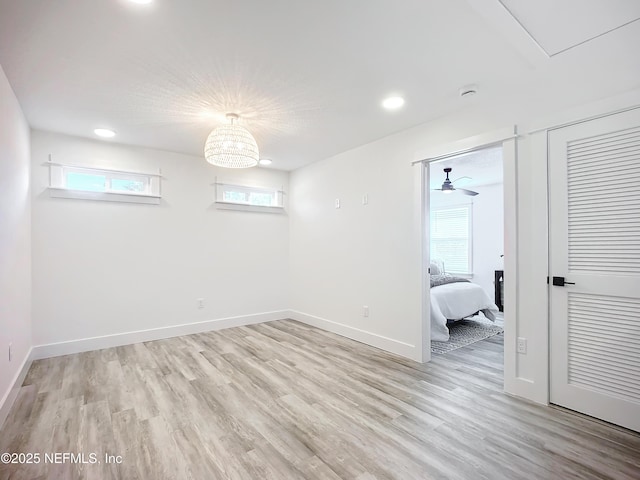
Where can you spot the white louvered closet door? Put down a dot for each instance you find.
(594, 190)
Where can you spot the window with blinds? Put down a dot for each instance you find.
(451, 238)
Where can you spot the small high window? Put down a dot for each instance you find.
(242, 196)
(71, 181)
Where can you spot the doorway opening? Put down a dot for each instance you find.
(464, 209)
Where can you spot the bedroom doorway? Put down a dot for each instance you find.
(464, 210)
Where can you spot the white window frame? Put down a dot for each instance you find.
(469, 208)
(59, 188)
(277, 196)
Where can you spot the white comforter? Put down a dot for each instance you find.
(455, 301)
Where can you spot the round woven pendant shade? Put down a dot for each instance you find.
(231, 146)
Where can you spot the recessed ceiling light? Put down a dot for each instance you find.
(104, 132)
(265, 161)
(141, 2)
(392, 103)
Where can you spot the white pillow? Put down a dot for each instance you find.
(436, 267)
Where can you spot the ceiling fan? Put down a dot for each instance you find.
(447, 185)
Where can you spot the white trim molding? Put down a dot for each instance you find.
(128, 338)
(388, 344)
(11, 395)
(465, 145)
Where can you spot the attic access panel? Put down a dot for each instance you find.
(559, 26)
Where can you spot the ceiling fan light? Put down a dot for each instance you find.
(447, 187)
(231, 146)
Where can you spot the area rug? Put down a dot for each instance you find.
(465, 332)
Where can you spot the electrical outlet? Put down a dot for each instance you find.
(200, 303)
(365, 311)
(522, 345)
(365, 199)
(10, 350)
(337, 203)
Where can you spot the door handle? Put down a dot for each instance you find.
(560, 282)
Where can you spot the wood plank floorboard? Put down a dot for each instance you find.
(283, 400)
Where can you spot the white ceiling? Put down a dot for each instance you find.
(307, 77)
(482, 167)
(558, 26)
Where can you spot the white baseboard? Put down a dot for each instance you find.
(390, 345)
(12, 393)
(128, 338)
(525, 388)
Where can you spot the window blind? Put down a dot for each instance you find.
(451, 238)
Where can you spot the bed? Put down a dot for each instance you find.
(454, 298)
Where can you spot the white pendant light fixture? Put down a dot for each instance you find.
(231, 146)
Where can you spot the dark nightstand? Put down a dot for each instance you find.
(499, 289)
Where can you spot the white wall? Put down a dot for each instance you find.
(342, 259)
(15, 242)
(487, 230)
(103, 268)
(488, 235)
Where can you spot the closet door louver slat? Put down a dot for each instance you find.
(604, 356)
(608, 190)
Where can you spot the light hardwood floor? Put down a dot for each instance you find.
(283, 400)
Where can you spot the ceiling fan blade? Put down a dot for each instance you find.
(467, 192)
(461, 178)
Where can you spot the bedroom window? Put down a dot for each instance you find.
(249, 196)
(451, 238)
(89, 183)
(91, 180)
(244, 197)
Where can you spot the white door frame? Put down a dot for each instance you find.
(425, 340)
(508, 139)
